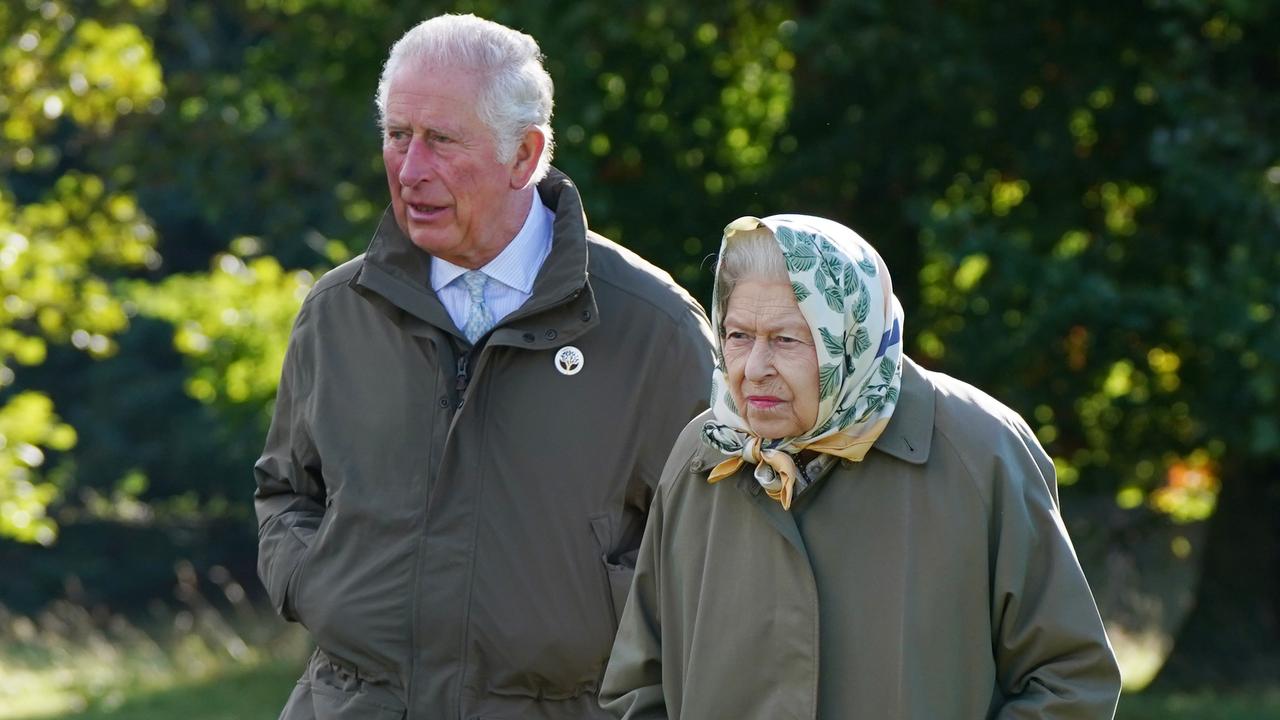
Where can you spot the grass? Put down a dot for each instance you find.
(206, 655)
(256, 693)
(216, 657)
(1233, 705)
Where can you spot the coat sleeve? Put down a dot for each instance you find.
(290, 495)
(681, 382)
(1053, 659)
(677, 388)
(632, 685)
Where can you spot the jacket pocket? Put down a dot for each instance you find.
(339, 693)
(294, 592)
(540, 621)
(618, 573)
(282, 546)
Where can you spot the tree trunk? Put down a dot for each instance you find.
(1232, 636)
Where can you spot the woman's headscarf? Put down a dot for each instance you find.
(844, 292)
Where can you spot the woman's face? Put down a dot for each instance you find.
(770, 359)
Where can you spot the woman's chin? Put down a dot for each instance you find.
(773, 428)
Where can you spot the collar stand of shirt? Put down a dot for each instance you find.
(512, 271)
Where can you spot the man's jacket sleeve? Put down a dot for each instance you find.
(632, 685)
(1053, 659)
(681, 385)
(290, 496)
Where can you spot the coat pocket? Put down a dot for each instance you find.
(294, 592)
(618, 572)
(339, 693)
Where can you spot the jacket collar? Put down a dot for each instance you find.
(909, 433)
(561, 308)
(908, 436)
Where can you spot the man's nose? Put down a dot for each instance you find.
(760, 360)
(417, 163)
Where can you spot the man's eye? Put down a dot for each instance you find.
(735, 335)
(785, 340)
(438, 138)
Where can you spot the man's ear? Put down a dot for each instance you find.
(526, 158)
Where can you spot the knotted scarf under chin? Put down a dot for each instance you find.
(776, 470)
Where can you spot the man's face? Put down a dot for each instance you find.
(450, 194)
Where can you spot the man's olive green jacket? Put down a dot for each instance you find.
(456, 528)
(934, 580)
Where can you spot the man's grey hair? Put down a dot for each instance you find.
(516, 91)
(748, 255)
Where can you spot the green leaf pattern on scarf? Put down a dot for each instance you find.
(828, 380)
(834, 347)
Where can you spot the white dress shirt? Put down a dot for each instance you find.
(511, 273)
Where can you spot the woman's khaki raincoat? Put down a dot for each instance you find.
(932, 581)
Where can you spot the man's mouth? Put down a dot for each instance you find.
(423, 212)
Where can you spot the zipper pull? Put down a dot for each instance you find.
(462, 373)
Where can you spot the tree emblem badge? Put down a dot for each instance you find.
(569, 360)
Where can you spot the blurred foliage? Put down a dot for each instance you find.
(69, 659)
(233, 322)
(63, 231)
(1081, 206)
(1092, 205)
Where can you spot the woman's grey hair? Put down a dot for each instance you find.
(748, 255)
(517, 91)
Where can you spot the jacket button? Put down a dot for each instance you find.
(586, 316)
(444, 401)
(550, 334)
(696, 465)
(528, 337)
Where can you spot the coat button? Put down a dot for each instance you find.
(528, 337)
(444, 401)
(696, 465)
(586, 316)
(550, 334)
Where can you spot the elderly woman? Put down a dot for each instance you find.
(844, 534)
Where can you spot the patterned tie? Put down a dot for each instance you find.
(479, 318)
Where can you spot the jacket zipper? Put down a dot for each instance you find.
(461, 384)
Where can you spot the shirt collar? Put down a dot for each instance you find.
(518, 263)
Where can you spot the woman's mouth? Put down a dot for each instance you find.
(763, 402)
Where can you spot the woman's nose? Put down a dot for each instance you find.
(760, 360)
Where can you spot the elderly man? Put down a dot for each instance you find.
(472, 415)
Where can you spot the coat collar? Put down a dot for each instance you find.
(561, 308)
(909, 433)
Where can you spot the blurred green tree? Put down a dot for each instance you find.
(1091, 195)
(66, 85)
